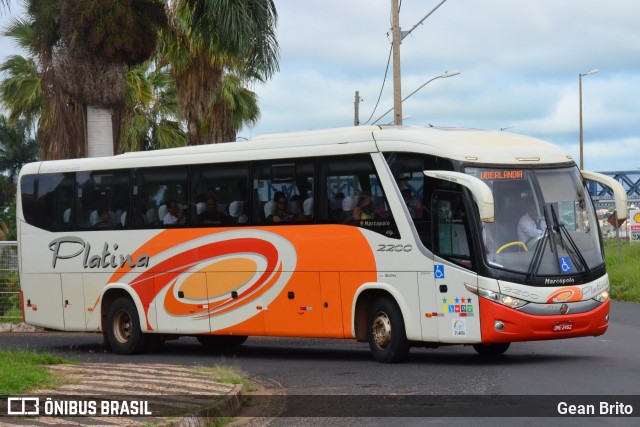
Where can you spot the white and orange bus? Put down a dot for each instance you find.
(399, 236)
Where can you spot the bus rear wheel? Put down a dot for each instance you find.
(387, 337)
(122, 328)
(491, 349)
(215, 342)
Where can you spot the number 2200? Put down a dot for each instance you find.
(394, 248)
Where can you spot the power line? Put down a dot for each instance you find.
(386, 71)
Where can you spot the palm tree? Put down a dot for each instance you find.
(207, 42)
(151, 118)
(29, 91)
(233, 106)
(98, 39)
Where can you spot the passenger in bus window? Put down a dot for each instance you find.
(105, 220)
(173, 216)
(348, 205)
(211, 216)
(364, 207)
(415, 206)
(282, 215)
(530, 225)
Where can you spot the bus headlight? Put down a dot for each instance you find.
(506, 300)
(602, 297)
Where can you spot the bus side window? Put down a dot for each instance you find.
(102, 199)
(54, 199)
(351, 194)
(290, 181)
(158, 186)
(28, 193)
(416, 188)
(224, 187)
(451, 238)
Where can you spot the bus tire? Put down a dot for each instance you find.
(386, 332)
(122, 330)
(490, 350)
(216, 342)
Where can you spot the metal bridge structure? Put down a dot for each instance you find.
(603, 196)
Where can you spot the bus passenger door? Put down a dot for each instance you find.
(454, 266)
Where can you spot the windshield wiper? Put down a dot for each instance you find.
(536, 260)
(538, 254)
(576, 251)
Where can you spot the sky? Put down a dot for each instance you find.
(519, 63)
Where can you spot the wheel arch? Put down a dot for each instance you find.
(114, 291)
(365, 296)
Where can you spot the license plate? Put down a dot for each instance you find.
(562, 326)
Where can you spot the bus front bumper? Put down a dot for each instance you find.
(499, 323)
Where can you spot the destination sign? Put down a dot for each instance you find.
(501, 174)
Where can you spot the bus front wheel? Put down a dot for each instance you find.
(387, 337)
(122, 330)
(491, 349)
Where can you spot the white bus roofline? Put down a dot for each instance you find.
(619, 194)
(480, 190)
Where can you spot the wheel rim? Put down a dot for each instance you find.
(382, 330)
(122, 326)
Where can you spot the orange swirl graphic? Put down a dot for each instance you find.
(177, 271)
(567, 294)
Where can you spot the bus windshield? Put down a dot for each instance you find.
(545, 224)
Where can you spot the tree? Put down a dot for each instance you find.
(151, 118)
(79, 54)
(233, 106)
(208, 41)
(17, 148)
(30, 91)
(99, 38)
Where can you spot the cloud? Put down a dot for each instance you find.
(519, 63)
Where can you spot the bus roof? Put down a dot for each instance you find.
(472, 145)
(466, 145)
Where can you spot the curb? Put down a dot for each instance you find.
(209, 401)
(208, 416)
(19, 328)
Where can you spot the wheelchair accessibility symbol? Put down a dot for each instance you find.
(439, 271)
(565, 264)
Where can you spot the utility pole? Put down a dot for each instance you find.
(397, 38)
(356, 109)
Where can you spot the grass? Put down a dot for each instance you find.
(229, 375)
(13, 315)
(625, 278)
(22, 371)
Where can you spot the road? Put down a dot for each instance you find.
(606, 366)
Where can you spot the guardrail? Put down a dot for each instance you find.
(9, 281)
